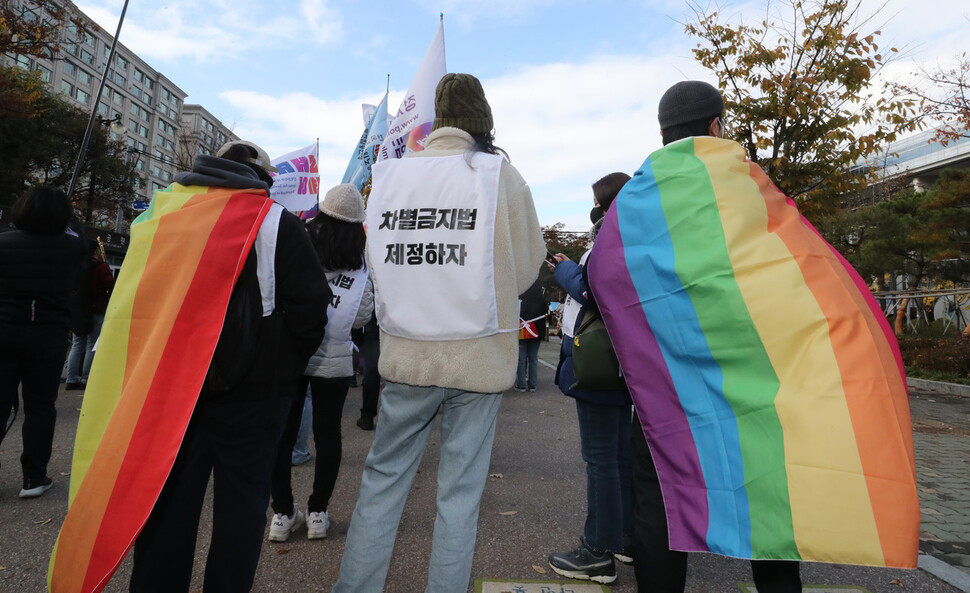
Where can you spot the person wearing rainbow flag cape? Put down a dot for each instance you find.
(772, 413)
(219, 294)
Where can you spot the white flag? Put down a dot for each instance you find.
(297, 184)
(412, 124)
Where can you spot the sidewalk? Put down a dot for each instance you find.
(533, 505)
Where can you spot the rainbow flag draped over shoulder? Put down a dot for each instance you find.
(158, 338)
(767, 381)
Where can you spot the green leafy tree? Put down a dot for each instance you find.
(797, 90)
(35, 27)
(39, 142)
(920, 235)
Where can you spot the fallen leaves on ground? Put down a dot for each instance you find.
(44, 522)
(282, 551)
(539, 569)
(508, 513)
(65, 473)
(896, 582)
(499, 476)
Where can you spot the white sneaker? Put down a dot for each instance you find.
(283, 525)
(317, 525)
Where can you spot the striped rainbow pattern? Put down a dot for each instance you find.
(159, 334)
(767, 380)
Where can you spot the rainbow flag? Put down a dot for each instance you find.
(767, 381)
(158, 337)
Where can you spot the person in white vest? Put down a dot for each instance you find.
(453, 239)
(337, 233)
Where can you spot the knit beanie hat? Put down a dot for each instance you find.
(343, 202)
(459, 102)
(687, 101)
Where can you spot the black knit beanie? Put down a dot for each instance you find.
(459, 102)
(687, 101)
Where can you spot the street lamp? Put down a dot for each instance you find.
(114, 124)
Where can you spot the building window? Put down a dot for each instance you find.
(88, 38)
(82, 96)
(23, 62)
(103, 109)
(69, 68)
(29, 15)
(122, 63)
(83, 77)
(136, 92)
(87, 57)
(116, 97)
(67, 88)
(130, 141)
(143, 132)
(160, 140)
(132, 124)
(45, 73)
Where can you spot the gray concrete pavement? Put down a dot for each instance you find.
(534, 504)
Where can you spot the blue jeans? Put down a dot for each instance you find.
(467, 431)
(82, 351)
(301, 450)
(604, 433)
(528, 364)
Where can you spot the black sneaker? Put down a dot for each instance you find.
(585, 564)
(365, 423)
(624, 557)
(33, 489)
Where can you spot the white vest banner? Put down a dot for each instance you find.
(430, 242)
(348, 290)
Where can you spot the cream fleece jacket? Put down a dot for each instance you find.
(483, 365)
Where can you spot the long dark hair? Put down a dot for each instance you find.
(339, 244)
(486, 143)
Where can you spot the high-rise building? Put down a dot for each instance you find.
(161, 131)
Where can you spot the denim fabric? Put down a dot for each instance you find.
(528, 371)
(604, 433)
(82, 351)
(301, 449)
(467, 431)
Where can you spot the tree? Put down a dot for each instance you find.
(570, 244)
(39, 143)
(922, 235)
(944, 98)
(34, 28)
(797, 90)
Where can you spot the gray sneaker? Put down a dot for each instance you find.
(585, 564)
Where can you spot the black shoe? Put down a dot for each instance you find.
(365, 423)
(33, 489)
(585, 564)
(75, 386)
(624, 557)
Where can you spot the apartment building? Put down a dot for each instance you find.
(161, 131)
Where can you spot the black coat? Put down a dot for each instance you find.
(37, 273)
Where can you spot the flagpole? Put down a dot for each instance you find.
(94, 109)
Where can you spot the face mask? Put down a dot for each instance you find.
(595, 214)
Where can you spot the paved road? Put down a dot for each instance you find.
(536, 472)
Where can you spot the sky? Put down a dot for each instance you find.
(573, 84)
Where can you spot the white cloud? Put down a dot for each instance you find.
(217, 30)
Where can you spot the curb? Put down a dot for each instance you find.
(943, 571)
(940, 386)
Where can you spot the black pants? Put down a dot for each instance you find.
(371, 387)
(236, 442)
(329, 396)
(659, 569)
(33, 364)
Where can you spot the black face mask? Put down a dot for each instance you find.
(595, 214)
